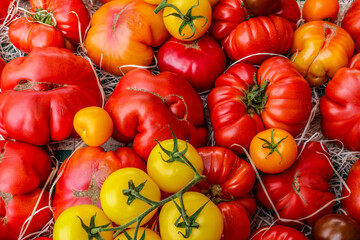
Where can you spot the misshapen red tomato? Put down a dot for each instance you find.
(277, 232)
(4, 6)
(351, 23)
(351, 204)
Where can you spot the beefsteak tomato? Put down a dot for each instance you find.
(51, 23)
(82, 175)
(303, 189)
(41, 93)
(24, 169)
(283, 101)
(4, 6)
(142, 107)
(351, 23)
(340, 107)
(200, 61)
(277, 232)
(124, 32)
(319, 49)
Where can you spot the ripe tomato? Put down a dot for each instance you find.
(262, 7)
(94, 125)
(326, 10)
(210, 219)
(273, 150)
(173, 176)
(115, 203)
(197, 15)
(68, 225)
(149, 234)
(277, 232)
(351, 204)
(4, 6)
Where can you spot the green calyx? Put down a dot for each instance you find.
(272, 145)
(43, 16)
(187, 19)
(97, 236)
(255, 98)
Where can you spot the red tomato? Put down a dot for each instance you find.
(302, 189)
(83, 174)
(200, 61)
(262, 7)
(351, 23)
(153, 103)
(243, 119)
(326, 10)
(290, 10)
(2, 65)
(4, 5)
(277, 232)
(24, 170)
(42, 92)
(351, 204)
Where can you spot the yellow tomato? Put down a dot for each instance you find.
(149, 234)
(94, 125)
(273, 150)
(157, 2)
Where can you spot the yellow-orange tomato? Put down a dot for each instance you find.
(94, 125)
(157, 2)
(149, 234)
(273, 150)
(319, 49)
(320, 10)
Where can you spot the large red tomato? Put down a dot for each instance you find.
(228, 176)
(4, 6)
(277, 232)
(41, 93)
(200, 61)
(239, 109)
(24, 170)
(143, 106)
(351, 23)
(55, 23)
(340, 106)
(302, 189)
(83, 174)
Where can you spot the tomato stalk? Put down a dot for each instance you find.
(43, 16)
(255, 98)
(272, 145)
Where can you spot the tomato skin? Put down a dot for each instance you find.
(273, 163)
(149, 234)
(68, 225)
(55, 94)
(351, 204)
(351, 22)
(156, 102)
(24, 170)
(210, 220)
(114, 202)
(262, 7)
(172, 23)
(94, 125)
(303, 188)
(116, 43)
(277, 232)
(83, 174)
(320, 10)
(4, 5)
(200, 61)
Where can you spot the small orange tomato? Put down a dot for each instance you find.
(320, 10)
(94, 125)
(273, 150)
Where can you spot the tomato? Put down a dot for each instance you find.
(149, 234)
(82, 175)
(351, 24)
(200, 61)
(2, 65)
(351, 204)
(4, 6)
(115, 203)
(41, 93)
(301, 190)
(326, 10)
(244, 118)
(171, 177)
(186, 20)
(337, 226)
(262, 7)
(42, 238)
(24, 170)
(290, 10)
(273, 150)
(209, 220)
(339, 107)
(277, 232)
(157, 2)
(68, 225)
(153, 103)
(94, 125)
(114, 38)
(319, 49)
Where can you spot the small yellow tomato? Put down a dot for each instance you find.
(273, 150)
(149, 234)
(94, 125)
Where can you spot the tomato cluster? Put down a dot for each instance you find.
(196, 116)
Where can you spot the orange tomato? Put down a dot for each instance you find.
(273, 150)
(320, 10)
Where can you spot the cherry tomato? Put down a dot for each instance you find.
(149, 234)
(320, 10)
(273, 150)
(210, 221)
(94, 125)
(115, 202)
(68, 225)
(171, 176)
